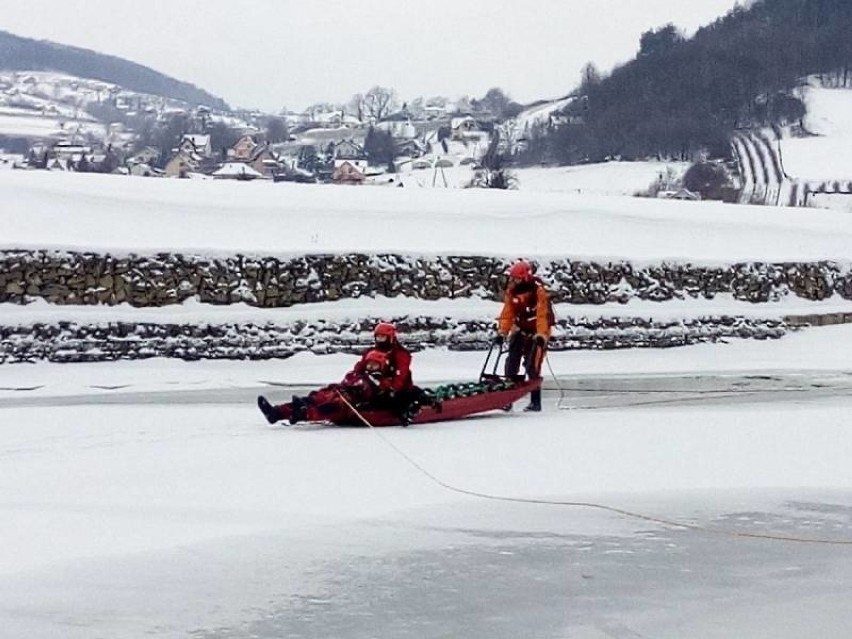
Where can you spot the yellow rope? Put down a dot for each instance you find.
(582, 504)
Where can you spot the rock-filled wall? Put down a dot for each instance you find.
(70, 342)
(159, 280)
(76, 278)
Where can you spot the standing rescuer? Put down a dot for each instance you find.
(526, 320)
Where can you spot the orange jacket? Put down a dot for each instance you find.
(526, 307)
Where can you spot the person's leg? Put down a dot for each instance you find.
(534, 356)
(275, 413)
(322, 404)
(514, 355)
(407, 404)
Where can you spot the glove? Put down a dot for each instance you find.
(375, 379)
(498, 340)
(540, 340)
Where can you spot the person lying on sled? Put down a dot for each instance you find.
(381, 379)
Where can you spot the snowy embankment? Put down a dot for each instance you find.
(125, 214)
(827, 351)
(130, 216)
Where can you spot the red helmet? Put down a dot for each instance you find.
(385, 331)
(521, 270)
(375, 361)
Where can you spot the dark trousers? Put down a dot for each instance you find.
(402, 400)
(522, 349)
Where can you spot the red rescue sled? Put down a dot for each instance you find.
(492, 392)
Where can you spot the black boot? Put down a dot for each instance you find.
(535, 401)
(269, 411)
(409, 412)
(299, 410)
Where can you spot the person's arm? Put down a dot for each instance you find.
(360, 365)
(507, 316)
(399, 381)
(542, 313)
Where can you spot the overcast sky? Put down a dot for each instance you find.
(272, 53)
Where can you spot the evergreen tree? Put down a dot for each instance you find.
(379, 147)
(683, 98)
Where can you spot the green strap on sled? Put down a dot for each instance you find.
(451, 391)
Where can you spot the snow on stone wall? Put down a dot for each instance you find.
(164, 279)
(71, 342)
(69, 278)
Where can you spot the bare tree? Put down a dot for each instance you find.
(462, 105)
(355, 106)
(276, 130)
(417, 108)
(437, 101)
(315, 110)
(495, 102)
(379, 102)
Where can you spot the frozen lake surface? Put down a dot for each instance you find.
(181, 514)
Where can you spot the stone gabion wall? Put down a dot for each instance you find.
(70, 342)
(163, 279)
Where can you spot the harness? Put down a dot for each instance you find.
(525, 304)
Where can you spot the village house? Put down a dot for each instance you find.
(264, 160)
(243, 149)
(334, 119)
(192, 154)
(348, 173)
(322, 138)
(462, 127)
(181, 165)
(348, 152)
(148, 155)
(412, 148)
(398, 125)
(196, 143)
(236, 171)
(142, 169)
(68, 153)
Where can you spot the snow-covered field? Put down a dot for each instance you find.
(43, 127)
(827, 154)
(222, 217)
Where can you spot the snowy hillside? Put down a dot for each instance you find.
(53, 106)
(825, 154)
(516, 129)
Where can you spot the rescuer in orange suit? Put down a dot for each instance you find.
(526, 320)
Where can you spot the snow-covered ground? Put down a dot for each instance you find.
(223, 217)
(610, 178)
(150, 498)
(827, 154)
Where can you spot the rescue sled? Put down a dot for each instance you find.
(454, 401)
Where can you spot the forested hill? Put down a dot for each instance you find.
(25, 54)
(680, 98)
